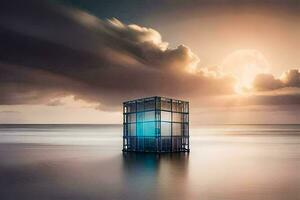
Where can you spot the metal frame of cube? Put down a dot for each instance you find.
(156, 124)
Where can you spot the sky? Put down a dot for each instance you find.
(72, 61)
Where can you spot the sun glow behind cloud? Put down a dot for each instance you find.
(245, 65)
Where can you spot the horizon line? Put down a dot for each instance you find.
(122, 124)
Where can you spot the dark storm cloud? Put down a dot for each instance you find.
(48, 51)
(266, 82)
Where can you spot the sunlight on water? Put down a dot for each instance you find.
(244, 162)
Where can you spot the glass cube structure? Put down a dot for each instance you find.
(156, 124)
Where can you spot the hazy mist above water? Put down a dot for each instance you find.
(245, 162)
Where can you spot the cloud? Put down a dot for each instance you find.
(48, 51)
(244, 64)
(291, 78)
(9, 112)
(266, 82)
(55, 102)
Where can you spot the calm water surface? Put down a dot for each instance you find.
(242, 162)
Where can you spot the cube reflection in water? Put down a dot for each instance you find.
(156, 124)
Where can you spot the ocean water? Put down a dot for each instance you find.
(242, 162)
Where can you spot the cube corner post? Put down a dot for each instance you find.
(156, 124)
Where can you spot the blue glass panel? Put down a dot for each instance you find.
(139, 129)
(149, 129)
(140, 144)
(140, 117)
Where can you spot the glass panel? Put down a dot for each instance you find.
(166, 144)
(186, 106)
(131, 107)
(165, 104)
(140, 117)
(149, 116)
(176, 144)
(132, 143)
(140, 105)
(139, 128)
(150, 104)
(149, 129)
(165, 116)
(177, 106)
(174, 105)
(150, 144)
(165, 129)
(180, 107)
(140, 144)
(177, 117)
(132, 118)
(185, 129)
(176, 128)
(185, 118)
(131, 129)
